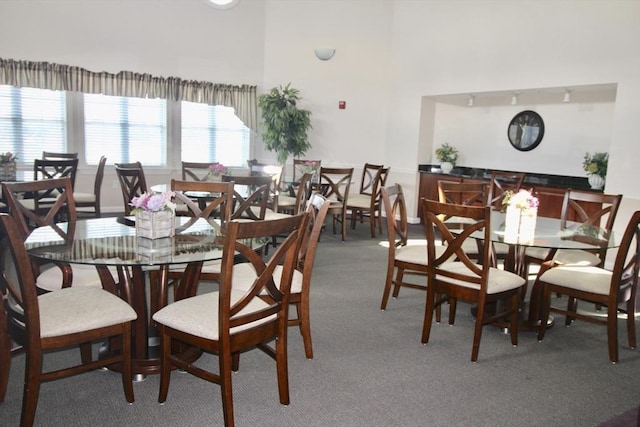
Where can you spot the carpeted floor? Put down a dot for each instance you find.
(370, 369)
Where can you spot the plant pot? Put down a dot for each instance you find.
(8, 171)
(446, 167)
(596, 181)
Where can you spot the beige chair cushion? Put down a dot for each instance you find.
(358, 200)
(589, 279)
(78, 309)
(199, 315)
(84, 197)
(269, 214)
(499, 280)
(50, 278)
(566, 257)
(284, 200)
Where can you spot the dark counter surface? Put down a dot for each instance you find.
(531, 179)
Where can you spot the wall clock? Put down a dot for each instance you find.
(525, 130)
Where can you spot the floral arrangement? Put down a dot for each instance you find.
(310, 166)
(7, 157)
(596, 164)
(216, 169)
(523, 199)
(447, 153)
(154, 202)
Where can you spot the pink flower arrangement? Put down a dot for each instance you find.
(523, 199)
(217, 169)
(154, 202)
(7, 157)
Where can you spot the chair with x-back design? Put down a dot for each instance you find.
(132, 182)
(334, 185)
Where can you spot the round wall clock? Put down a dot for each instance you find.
(525, 130)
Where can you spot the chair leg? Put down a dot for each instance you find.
(477, 335)
(127, 380)
(85, 352)
(32, 375)
(428, 315)
(225, 364)
(631, 322)
(453, 304)
(544, 312)
(515, 307)
(5, 353)
(305, 326)
(572, 307)
(612, 332)
(282, 367)
(387, 285)
(399, 279)
(165, 365)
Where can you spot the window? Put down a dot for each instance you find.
(213, 134)
(125, 129)
(32, 121)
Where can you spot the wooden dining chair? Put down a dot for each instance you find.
(335, 184)
(500, 183)
(132, 182)
(368, 202)
(75, 316)
(196, 171)
(605, 288)
(251, 196)
(465, 279)
(55, 168)
(302, 166)
(53, 156)
(294, 205)
(92, 200)
(229, 321)
(276, 172)
(62, 275)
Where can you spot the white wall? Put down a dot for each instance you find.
(390, 56)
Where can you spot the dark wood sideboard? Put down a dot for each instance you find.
(549, 189)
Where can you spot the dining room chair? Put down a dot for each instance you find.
(229, 321)
(405, 256)
(132, 182)
(475, 281)
(52, 155)
(296, 203)
(41, 324)
(92, 200)
(49, 277)
(335, 184)
(250, 196)
(196, 171)
(587, 209)
(502, 182)
(276, 171)
(302, 166)
(368, 202)
(604, 288)
(55, 168)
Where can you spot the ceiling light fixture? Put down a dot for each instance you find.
(514, 99)
(223, 4)
(471, 102)
(324, 53)
(567, 96)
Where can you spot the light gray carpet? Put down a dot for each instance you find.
(370, 369)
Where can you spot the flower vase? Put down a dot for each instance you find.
(155, 225)
(8, 171)
(520, 225)
(446, 167)
(596, 181)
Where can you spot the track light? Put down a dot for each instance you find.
(567, 96)
(514, 99)
(471, 101)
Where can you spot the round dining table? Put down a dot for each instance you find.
(136, 268)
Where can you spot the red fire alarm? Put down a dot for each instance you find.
(342, 105)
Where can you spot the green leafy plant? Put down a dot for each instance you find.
(447, 153)
(596, 164)
(285, 126)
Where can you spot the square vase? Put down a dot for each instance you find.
(155, 225)
(8, 171)
(155, 251)
(520, 225)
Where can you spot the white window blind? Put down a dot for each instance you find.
(31, 121)
(213, 134)
(125, 129)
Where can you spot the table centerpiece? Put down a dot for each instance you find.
(520, 221)
(155, 215)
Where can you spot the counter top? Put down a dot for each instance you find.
(532, 179)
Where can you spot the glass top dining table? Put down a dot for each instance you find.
(130, 266)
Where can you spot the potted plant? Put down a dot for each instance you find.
(285, 126)
(448, 156)
(596, 167)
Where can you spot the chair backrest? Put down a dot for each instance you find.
(303, 193)
(232, 303)
(17, 195)
(132, 182)
(97, 184)
(317, 209)
(50, 169)
(477, 223)
(501, 182)
(196, 171)
(461, 193)
(368, 179)
(335, 183)
(52, 156)
(378, 183)
(273, 170)
(251, 195)
(218, 204)
(395, 209)
(18, 286)
(626, 267)
(302, 166)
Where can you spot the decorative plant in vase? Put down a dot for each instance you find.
(154, 214)
(285, 126)
(520, 220)
(216, 170)
(448, 155)
(596, 167)
(8, 166)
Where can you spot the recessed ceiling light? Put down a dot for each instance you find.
(223, 4)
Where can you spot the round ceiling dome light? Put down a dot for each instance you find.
(223, 4)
